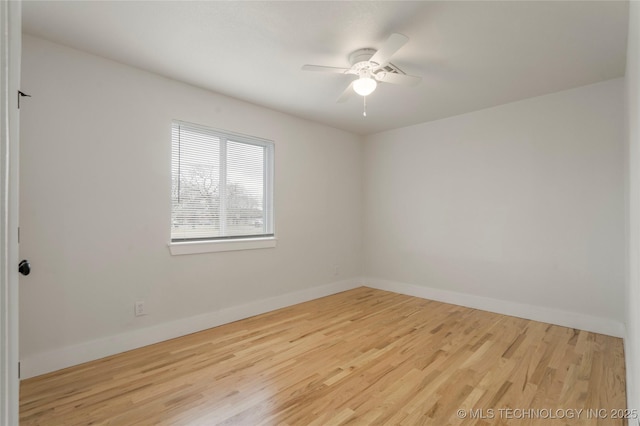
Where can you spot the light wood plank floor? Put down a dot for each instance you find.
(360, 357)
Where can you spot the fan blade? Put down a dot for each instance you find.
(325, 69)
(391, 46)
(346, 94)
(402, 79)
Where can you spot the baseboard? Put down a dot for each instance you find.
(505, 307)
(57, 359)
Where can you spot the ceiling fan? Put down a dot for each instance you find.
(372, 66)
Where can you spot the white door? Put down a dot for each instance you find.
(10, 53)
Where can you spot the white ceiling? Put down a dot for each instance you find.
(471, 55)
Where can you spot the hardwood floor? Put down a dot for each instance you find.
(360, 357)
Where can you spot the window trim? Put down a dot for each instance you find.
(236, 242)
(213, 246)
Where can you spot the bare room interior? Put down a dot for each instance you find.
(324, 213)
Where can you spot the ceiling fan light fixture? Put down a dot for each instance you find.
(364, 86)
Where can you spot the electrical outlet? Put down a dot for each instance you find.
(139, 308)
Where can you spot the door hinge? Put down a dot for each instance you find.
(18, 235)
(19, 369)
(21, 94)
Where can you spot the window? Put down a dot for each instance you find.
(222, 188)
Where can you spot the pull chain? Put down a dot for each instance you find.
(364, 100)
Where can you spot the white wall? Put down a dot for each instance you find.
(522, 203)
(632, 341)
(95, 208)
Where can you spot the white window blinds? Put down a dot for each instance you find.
(222, 185)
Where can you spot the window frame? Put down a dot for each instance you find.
(180, 246)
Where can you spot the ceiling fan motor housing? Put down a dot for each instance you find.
(363, 67)
(360, 58)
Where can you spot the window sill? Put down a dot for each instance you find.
(196, 247)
